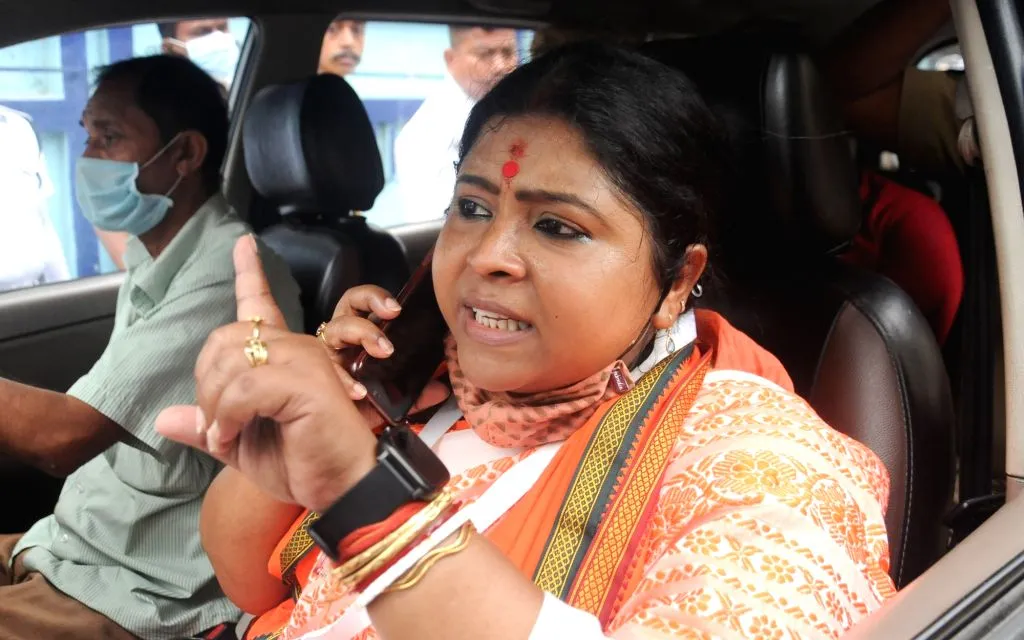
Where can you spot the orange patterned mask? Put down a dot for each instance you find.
(532, 419)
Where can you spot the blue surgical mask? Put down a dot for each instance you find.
(110, 199)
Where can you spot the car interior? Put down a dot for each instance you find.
(855, 345)
(305, 162)
(319, 164)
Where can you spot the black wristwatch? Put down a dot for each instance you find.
(407, 470)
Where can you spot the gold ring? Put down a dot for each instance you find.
(255, 348)
(257, 322)
(321, 332)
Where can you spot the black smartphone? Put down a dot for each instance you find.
(395, 383)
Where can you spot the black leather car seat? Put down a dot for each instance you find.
(856, 346)
(311, 154)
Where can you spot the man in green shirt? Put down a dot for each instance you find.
(121, 557)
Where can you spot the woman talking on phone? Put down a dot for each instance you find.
(620, 465)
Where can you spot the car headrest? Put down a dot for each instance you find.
(789, 136)
(310, 148)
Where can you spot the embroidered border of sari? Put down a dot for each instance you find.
(579, 531)
(614, 558)
(291, 562)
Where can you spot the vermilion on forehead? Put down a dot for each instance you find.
(516, 151)
(525, 142)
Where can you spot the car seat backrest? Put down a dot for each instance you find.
(311, 154)
(854, 344)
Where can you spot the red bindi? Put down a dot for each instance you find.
(510, 169)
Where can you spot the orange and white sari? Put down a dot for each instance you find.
(708, 502)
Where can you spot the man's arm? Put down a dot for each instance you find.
(51, 431)
(866, 63)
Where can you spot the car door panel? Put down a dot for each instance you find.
(49, 337)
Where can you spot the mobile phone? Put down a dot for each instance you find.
(393, 384)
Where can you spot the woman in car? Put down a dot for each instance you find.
(622, 466)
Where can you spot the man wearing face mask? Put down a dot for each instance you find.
(428, 145)
(207, 42)
(121, 556)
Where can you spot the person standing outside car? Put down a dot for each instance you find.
(428, 146)
(121, 556)
(207, 42)
(342, 47)
(30, 250)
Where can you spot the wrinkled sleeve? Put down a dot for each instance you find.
(770, 525)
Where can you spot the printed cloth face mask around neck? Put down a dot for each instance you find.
(109, 197)
(529, 420)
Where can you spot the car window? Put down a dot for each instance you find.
(410, 86)
(945, 58)
(44, 85)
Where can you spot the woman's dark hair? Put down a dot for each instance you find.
(178, 96)
(642, 121)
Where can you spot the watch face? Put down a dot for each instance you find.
(412, 461)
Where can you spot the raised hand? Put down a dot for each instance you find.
(353, 327)
(288, 424)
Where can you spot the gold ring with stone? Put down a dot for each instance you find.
(255, 348)
(321, 332)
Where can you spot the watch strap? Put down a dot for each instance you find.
(373, 499)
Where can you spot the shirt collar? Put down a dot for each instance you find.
(149, 279)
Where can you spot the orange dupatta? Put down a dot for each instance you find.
(580, 530)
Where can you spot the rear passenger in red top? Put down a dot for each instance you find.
(907, 238)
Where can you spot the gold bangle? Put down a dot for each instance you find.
(413, 576)
(406, 532)
(383, 552)
(396, 546)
